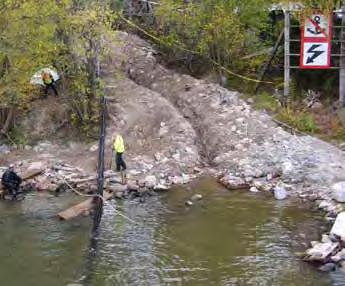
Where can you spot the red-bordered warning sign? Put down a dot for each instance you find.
(316, 42)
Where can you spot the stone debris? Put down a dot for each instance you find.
(280, 193)
(329, 252)
(254, 190)
(196, 197)
(338, 228)
(340, 256)
(339, 192)
(321, 251)
(189, 203)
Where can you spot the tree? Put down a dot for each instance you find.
(222, 31)
(65, 34)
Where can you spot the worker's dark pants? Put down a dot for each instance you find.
(50, 86)
(120, 163)
(12, 189)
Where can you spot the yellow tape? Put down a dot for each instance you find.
(194, 52)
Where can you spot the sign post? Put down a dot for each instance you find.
(316, 42)
(286, 57)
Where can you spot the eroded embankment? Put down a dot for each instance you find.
(175, 124)
(234, 138)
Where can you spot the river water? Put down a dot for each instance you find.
(228, 238)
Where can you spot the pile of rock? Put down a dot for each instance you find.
(330, 252)
(260, 181)
(58, 176)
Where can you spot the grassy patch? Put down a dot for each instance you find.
(265, 101)
(303, 121)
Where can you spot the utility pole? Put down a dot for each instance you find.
(286, 57)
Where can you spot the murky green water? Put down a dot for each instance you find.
(229, 238)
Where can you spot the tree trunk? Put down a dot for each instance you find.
(8, 121)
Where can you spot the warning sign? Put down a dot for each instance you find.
(316, 42)
(317, 26)
(315, 55)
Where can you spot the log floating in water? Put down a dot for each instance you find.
(81, 208)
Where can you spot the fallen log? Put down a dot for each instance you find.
(93, 178)
(81, 208)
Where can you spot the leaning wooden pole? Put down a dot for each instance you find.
(269, 62)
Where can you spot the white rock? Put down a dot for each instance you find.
(339, 226)
(324, 205)
(240, 120)
(254, 190)
(157, 156)
(189, 150)
(197, 170)
(176, 180)
(134, 172)
(325, 238)
(36, 166)
(189, 203)
(93, 148)
(164, 160)
(339, 256)
(196, 197)
(280, 193)
(321, 251)
(163, 130)
(150, 181)
(185, 178)
(160, 187)
(314, 243)
(287, 167)
(339, 192)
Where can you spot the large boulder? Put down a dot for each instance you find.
(339, 192)
(338, 228)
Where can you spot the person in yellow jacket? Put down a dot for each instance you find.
(49, 83)
(119, 148)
